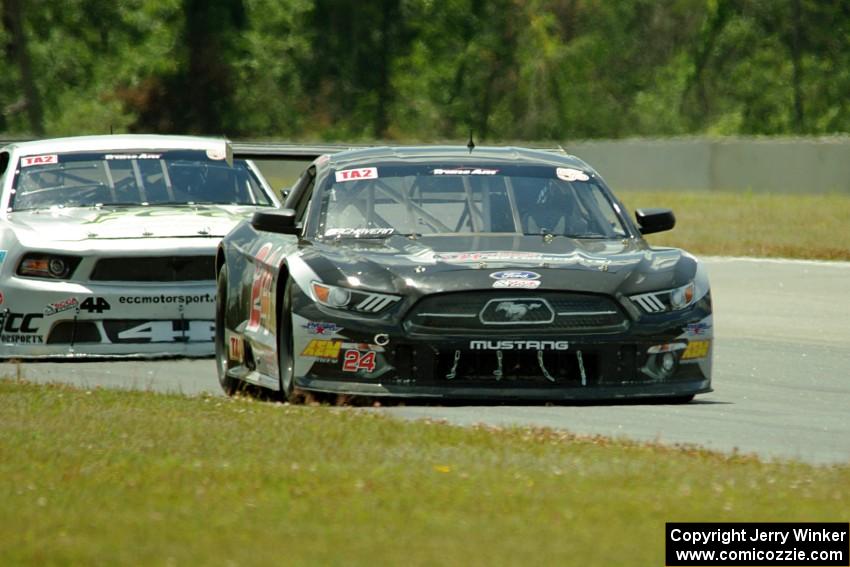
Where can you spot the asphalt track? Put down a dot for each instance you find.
(781, 373)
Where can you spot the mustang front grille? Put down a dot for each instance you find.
(155, 269)
(508, 312)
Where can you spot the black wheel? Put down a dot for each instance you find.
(285, 358)
(222, 354)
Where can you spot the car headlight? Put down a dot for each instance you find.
(667, 300)
(48, 266)
(352, 299)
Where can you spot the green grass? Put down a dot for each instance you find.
(748, 224)
(109, 478)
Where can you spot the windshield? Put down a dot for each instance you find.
(125, 178)
(375, 202)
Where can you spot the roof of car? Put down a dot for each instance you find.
(459, 154)
(116, 142)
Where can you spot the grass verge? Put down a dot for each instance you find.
(108, 477)
(749, 224)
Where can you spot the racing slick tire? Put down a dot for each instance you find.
(231, 386)
(285, 358)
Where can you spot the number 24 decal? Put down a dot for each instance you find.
(355, 360)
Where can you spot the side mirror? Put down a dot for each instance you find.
(281, 221)
(655, 220)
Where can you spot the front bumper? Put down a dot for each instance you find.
(507, 392)
(363, 356)
(58, 319)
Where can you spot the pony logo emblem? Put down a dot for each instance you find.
(516, 311)
(520, 311)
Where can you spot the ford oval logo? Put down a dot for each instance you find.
(515, 275)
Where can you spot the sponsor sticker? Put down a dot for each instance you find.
(60, 306)
(355, 361)
(519, 345)
(669, 347)
(132, 156)
(39, 160)
(322, 328)
(21, 323)
(516, 284)
(261, 313)
(327, 350)
(515, 275)
(356, 174)
(2, 256)
(360, 232)
(235, 348)
(21, 339)
(466, 171)
(570, 174)
(696, 349)
(698, 329)
(216, 154)
(166, 299)
(2, 298)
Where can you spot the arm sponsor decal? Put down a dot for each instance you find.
(326, 350)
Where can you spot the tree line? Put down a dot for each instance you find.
(425, 70)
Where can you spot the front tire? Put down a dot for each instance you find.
(230, 385)
(285, 350)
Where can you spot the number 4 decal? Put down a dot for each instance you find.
(355, 360)
(95, 305)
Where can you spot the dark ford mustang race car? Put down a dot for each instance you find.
(441, 272)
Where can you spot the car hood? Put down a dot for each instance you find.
(76, 224)
(455, 263)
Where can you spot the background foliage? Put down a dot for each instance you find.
(425, 69)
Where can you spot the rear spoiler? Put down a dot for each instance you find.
(279, 151)
(291, 152)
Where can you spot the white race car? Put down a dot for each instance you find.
(108, 243)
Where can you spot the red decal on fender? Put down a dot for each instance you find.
(259, 289)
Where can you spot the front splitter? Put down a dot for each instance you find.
(597, 393)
